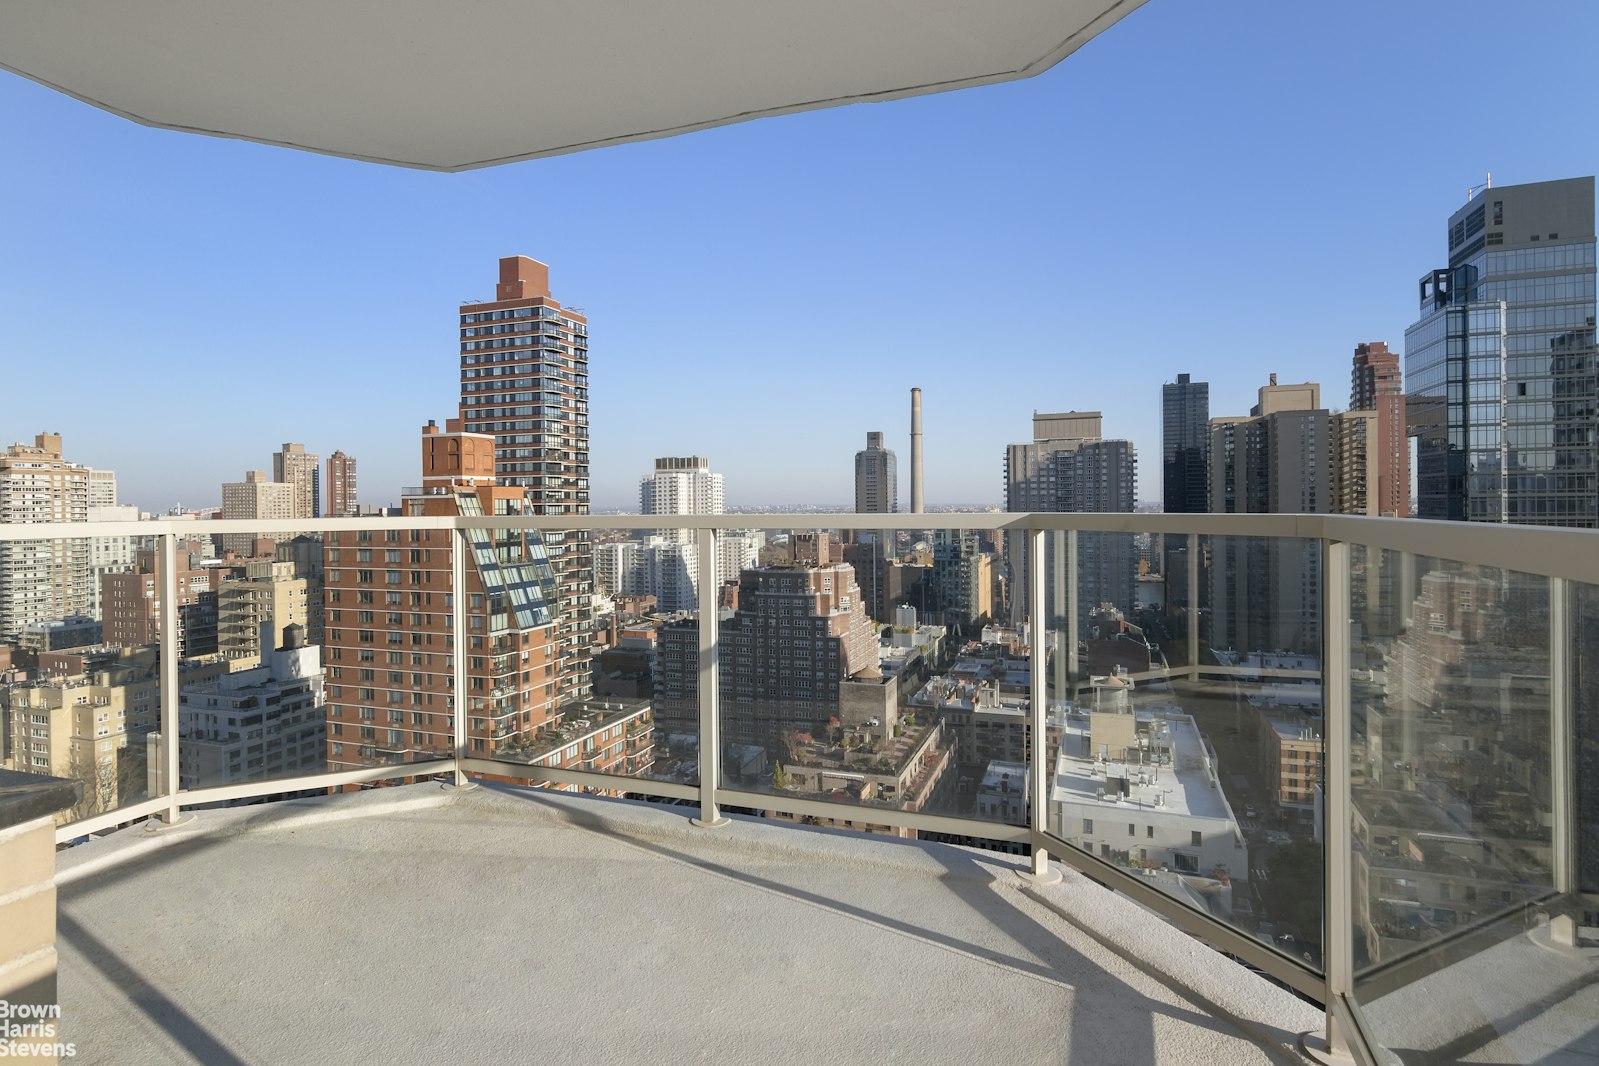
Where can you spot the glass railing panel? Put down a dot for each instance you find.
(80, 697)
(1584, 644)
(1453, 865)
(529, 643)
(845, 677)
(1205, 784)
(627, 724)
(387, 649)
(1170, 571)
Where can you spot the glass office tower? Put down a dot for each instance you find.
(1501, 364)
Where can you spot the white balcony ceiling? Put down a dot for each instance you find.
(452, 86)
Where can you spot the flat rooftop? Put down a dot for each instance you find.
(421, 924)
(1185, 786)
(1294, 730)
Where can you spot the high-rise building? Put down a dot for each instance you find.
(342, 500)
(1069, 467)
(672, 572)
(524, 380)
(1184, 437)
(43, 580)
(1375, 385)
(111, 554)
(681, 485)
(1288, 455)
(256, 497)
(1502, 364)
(736, 551)
(1358, 451)
(619, 569)
(102, 488)
(133, 605)
(297, 467)
(799, 632)
(269, 594)
(961, 580)
(876, 478)
(670, 561)
(388, 616)
(1184, 427)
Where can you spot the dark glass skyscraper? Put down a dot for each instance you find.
(1184, 433)
(876, 478)
(1501, 364)
(1184, 417)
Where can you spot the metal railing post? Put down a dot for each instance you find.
(1193, 606)
(1058, 604)
(1340, 1041)
(1038, 743)
(1405, 588)
(171, 682)
(1563, 758)
(1070, 566)
(459, 546)
(710, 657)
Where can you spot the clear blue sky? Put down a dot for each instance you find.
(1228, 189)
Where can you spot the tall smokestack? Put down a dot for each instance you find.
(916, 451)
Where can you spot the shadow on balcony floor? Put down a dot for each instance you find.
(419, 925)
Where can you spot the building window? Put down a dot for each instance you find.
(1195, 838)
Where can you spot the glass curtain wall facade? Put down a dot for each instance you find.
(1501, 363)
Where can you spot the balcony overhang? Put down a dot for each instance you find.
(452, 87)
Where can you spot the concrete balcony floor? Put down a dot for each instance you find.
(422, 924)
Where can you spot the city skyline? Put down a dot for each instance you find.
(1058, 241)
(1358, 756)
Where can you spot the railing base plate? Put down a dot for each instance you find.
(1315, 1047)
(714, 823)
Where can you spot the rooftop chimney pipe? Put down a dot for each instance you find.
(916, 451)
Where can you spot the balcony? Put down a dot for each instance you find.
(1447, 856)
(755, 941)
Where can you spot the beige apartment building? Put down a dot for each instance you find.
(87, 724)
(300, 470)
(43, 580)
(257, 497)
(269, 595)
(1356, 462)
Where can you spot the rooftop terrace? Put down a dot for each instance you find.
(1185, 786)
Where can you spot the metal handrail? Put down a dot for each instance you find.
(1564, 555)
